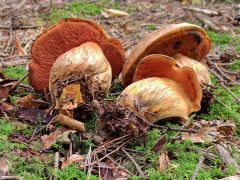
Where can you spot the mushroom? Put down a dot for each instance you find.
(64, 36)
(187, 39)
(161, 89)
(199, 68)
(84, 61)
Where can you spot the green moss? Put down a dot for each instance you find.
(72, 172)
(16, 72)
(151, 27)
(219, 40)
(33, 169)
(236, 66)
(75, 9)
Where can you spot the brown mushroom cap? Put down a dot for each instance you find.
(63, 36)
(187, 39)
(157, 65)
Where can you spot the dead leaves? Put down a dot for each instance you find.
(210, 131)
(29, 101)
(163, 162)
(75, 158)
(59, 134)
(70, 99)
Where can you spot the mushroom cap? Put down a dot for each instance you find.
(200, 69)
(157, 65)
(63, 36)
(187, 39)
(88, 60)
(156, 98)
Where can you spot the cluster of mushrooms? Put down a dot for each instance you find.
(163, 75)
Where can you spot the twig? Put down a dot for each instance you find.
(216, 74)
(56, 162)
(134, 162)
(210, 24)
(222, 73)
(18, 82)
(231, 93)
(204, 11)
(226, 157)
(14, 61)
(198, 167)
(8, 177)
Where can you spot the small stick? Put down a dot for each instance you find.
(231, 93)
(56, 162)
(8, 177)
(198, 167)
(216, 74)
(209, 23)
(71, 123)
(204, 11)
(223, 74)
(18, 82)
(134, 162)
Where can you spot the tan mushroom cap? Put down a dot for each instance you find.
(187, 39)
(200, 69)
(156, 98)
(63, 36)
(157, 65)
(88, 60)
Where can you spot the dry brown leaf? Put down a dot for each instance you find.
(49, 140)
(163, 162)
(74, 158)
(5, 106)
(71, 123)
(32, 115)
(159, 145)
(231, 178)
(70, 99)
(5, 85)
(28, 101)
(4, 166)
(210, 131)
(20, 50)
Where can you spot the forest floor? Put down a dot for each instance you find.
(213, 153)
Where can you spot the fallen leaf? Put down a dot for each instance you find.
(5, 85)
(117, 13)
(210, 131)
(109, 171)
(4, 166)
(163, 162)
(49, 140)
(20, 50)
(74, 158)
(32, 115)
(6, 107)
(29, 101)
(70, 99)
(71, 123)
(159, 145)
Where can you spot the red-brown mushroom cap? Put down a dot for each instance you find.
(157, 65)
(187, 39)
(63, 36)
